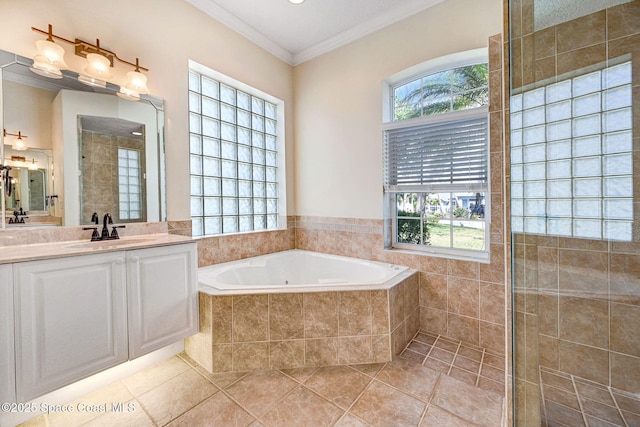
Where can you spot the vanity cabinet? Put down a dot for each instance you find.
(7, 360)
(162, 297)
(71, 320)
(79, 315)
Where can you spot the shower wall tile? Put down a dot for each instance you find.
(548, 314)
(583, 361)
(527, 16)
(584, 273)
(581, 58)
(625, 372)
(581, 32)
(624, 278)
(584, 321)
(624, 332)
(544, 42)
(623, 20)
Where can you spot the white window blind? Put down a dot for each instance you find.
(437, 154)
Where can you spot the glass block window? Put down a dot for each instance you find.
(234, 146)
(129, 184)
(572, 158)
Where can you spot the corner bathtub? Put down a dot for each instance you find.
(297, 308)
(296, 271)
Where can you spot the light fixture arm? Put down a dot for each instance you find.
(19, 134)
(82, 48)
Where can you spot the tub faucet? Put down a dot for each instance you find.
(105, 230)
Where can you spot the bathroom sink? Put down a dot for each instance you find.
(110, 243)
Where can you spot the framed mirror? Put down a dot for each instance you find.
(87, 150)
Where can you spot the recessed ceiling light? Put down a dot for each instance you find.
(296, 1)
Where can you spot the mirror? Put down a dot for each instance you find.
(92, 150)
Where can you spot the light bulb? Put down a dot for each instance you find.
(98, 66)
(19, 145)
(49, 59)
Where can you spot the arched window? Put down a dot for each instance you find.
(436, 148)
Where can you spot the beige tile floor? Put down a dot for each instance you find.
(435, 382)
(569, 400)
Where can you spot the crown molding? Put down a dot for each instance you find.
(392, 16)
(226, 18)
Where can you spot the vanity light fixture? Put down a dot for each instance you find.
(49, 58)
(19, 143)
(136, 85)
(33, 166)
(98, 69)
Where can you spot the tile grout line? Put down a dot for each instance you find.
(348, 410)
(428, 405)
(582, 412)
(480, 367)
(455, 356)
(615, 401)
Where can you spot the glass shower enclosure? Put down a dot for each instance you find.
(575, 211)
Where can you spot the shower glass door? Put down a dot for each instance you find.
(575, 211)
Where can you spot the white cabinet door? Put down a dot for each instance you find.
(70, 320)
(7, 360)
(163, 296)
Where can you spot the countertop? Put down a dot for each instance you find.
(40, 251)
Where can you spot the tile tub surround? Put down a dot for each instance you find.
(295, 330)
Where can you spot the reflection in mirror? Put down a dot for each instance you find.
(112, 165)
(32, 184)
(61, 117)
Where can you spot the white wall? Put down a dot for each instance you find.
(338, 105)
(164, 34)
(30, 114)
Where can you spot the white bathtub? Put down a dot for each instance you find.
(297, 271)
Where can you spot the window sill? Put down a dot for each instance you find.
(481, 257)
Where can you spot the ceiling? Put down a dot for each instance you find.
(297, 33)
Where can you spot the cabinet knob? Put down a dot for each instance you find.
(119, 261)
(135, 259)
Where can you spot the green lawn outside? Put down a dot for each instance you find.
(463, 237)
